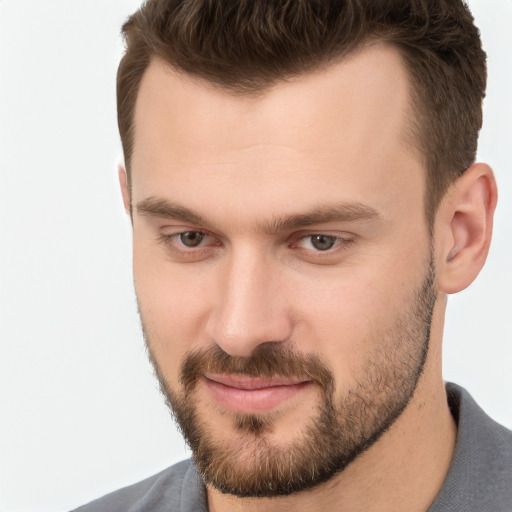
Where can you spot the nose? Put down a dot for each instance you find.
(250, 304)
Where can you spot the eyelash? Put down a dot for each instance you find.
(340, 244)
(336, 240)
(170, 241)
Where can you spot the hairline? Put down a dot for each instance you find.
(412, 131)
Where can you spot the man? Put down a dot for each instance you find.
(301, 182)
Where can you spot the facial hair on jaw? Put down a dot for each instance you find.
(342, 429)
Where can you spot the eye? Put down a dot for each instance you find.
(191, 238)
(320, 242)
(187, 243)
(323, 242)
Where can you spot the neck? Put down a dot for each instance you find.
(404, 470)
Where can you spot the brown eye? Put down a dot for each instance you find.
(323, 242)
(191, 238)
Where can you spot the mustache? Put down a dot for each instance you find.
(267, 360)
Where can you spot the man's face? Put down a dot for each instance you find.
(282, 266)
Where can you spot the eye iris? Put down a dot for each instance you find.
(191, 238)
(322, 242)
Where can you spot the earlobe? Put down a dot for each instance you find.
(465, 225)
(125, 189)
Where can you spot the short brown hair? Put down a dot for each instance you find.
(245, 46)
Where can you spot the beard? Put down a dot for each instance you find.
(248, 462)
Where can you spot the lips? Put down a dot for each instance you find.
(253, 395)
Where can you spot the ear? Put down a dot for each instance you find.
(464, 228)
(125, 189)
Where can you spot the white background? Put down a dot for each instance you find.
(80, 413)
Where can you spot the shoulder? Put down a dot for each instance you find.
(177, 488)
(480, 475)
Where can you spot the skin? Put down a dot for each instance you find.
(334, 137)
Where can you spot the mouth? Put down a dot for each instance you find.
(253, 395)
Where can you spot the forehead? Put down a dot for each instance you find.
(370, 81)
(345, 125)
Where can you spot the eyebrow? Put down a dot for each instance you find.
(157, 207)
(344, 212)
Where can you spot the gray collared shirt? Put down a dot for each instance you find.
(479, 479)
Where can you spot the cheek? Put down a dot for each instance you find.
(349, 318)
(345, 313)
(172, 305)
